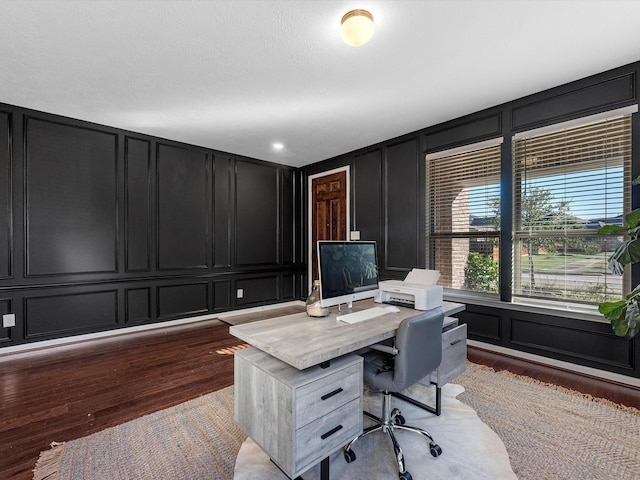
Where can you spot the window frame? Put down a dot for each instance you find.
(599, 121)
(432, 236)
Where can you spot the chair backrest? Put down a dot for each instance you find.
(419, 342)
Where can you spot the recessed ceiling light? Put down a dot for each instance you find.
(277, 145)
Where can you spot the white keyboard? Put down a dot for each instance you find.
(367, 314)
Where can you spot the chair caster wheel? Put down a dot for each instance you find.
(435, 450)
(349, 456)
(399, 420)
(406, 476)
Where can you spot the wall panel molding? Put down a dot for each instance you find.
(257, 193)
(182, 300)
(67, 313)
(223, 220)
(138, 305)
(401, 187)
(138, 212)
(184, 208)
(6, 195)
(6, 306)
(71, 206)
(604, 95)
(463, 133)
(259, 291)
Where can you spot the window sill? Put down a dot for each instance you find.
(529, 306)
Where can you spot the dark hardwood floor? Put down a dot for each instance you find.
(66, 392)
(62, 393)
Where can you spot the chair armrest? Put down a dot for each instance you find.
(384, 348)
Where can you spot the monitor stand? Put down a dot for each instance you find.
(348, 308)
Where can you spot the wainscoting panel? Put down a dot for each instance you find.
(54, 314)
(6, 225)
(288, 287)
(257, 193)
(482, 324)
(71, 205)
(612, 92)
(222, 295)
(482, 128)
(258, 290)
(367, 197)
(287, 202)
(401, 182)
(183, 300)
(223, 175)
(5, 307)
(138, 305)
(184, 208)
(589, 341)
(138, 204)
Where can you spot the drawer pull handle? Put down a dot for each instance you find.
(324, 436)
(331, 394)
(456, 341)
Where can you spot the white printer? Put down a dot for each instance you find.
(418, 290)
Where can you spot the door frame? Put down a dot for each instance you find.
(310, 179)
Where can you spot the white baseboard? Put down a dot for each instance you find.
(594, 372)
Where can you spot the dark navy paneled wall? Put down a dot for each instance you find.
(102, 228)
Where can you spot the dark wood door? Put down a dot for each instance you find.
(328, 211)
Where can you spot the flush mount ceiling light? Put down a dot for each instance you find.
(357, 27)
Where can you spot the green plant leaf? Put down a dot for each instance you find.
(620, 326)
(633, 232)
(613, 310)
(632, 319)
(626, 253)
(636, 181)
(633, 218)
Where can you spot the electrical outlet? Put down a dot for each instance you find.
(9, 320)
(240, 293)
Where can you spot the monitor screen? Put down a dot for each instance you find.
(348, 271)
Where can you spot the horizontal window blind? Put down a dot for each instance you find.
(463, 196)
(464, 191)
(566, 185)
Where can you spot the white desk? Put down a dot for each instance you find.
(300, 365)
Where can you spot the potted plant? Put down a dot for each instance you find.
(624, 314)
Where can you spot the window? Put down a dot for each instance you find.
(566, 184)
(463, 196)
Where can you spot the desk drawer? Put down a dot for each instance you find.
(454, 356)
(325, 395)
(338, 428)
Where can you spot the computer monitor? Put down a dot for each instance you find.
(348, 272)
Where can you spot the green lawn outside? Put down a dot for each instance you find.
(578, 264)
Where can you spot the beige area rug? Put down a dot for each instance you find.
(195, 440)
(554, 433)
(549, 434)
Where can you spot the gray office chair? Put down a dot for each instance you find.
(417, 352)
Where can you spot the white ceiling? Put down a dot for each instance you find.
(239, 75)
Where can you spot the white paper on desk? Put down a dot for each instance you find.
(420, 276)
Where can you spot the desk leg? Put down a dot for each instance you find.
(324, 469)
(421, 405)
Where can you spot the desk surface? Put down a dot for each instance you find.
(303, 341)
